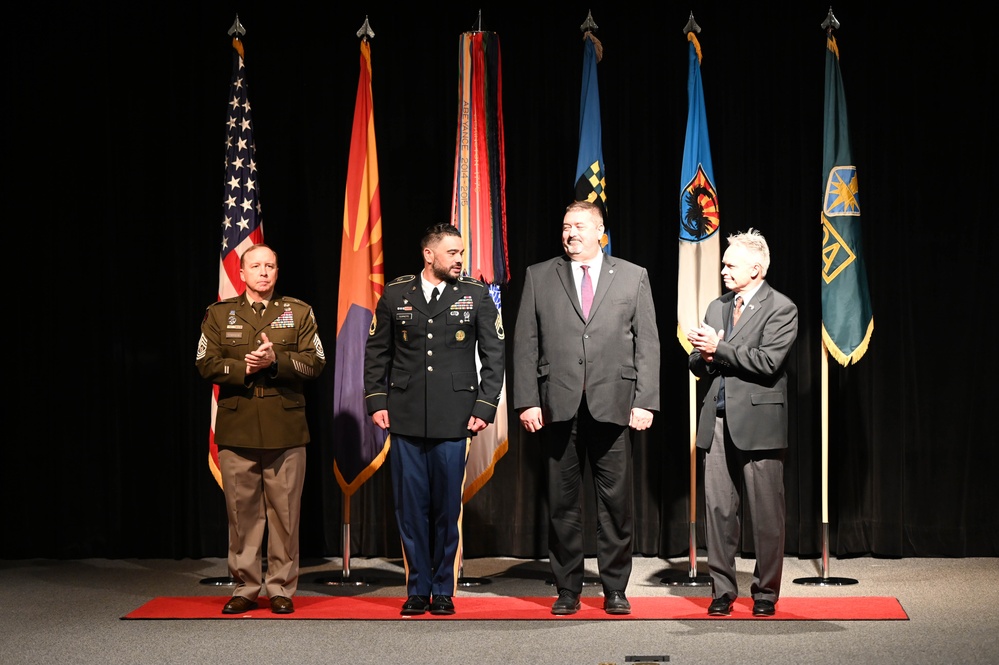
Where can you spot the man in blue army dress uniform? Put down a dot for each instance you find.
(259, 348)
(421, 384)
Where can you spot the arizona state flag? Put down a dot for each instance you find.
(359, 446)
(590, 178)
(847, 317)
(698, 279)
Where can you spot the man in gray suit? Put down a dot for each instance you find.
(586, 369)
(742, 348)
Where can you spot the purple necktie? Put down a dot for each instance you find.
(586, 289)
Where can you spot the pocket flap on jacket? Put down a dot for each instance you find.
(767, 398)
(464, 381)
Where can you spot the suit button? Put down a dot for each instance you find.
(430, 335)
(580, 361)
(430, 368)
(430, 320)
(430, 352)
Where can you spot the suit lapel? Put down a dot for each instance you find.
(564, 270)
(750, 310)
(414, 297)
(607, 273)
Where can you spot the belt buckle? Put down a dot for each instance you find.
(258, 391)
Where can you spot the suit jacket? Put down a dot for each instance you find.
(419, 362)
(615, 353)
(265, 409)
(752, 359)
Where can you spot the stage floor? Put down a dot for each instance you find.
(70, 612)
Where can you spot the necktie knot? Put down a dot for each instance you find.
(258, 307)
(433, 296)
(737, 311)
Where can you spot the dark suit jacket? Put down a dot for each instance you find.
(752, 359)
(419, 362)
(616, 352)
(265, 409)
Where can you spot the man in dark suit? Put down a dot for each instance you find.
(259, 348)
(586, 369)
(420, 383)
(742, 348)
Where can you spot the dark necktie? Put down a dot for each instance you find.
(258, 307)
(737, 312)
(433, 296)
(586, 290)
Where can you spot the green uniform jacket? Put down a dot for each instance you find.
(265, 409)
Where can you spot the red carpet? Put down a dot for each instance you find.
(492, 608)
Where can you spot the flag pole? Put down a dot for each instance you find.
(236, 30)
(829, 24)
(692, 579)
(825, 579)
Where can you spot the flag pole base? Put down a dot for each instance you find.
(587, 581)
(344, 579)
(219, 581)
(825, 579)
(473, 581)
(673, 577)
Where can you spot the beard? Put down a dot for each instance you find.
(442, 273)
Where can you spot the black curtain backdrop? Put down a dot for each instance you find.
(113, 143)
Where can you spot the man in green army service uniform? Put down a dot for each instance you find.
(259, 348)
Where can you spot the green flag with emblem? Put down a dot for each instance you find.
(847, 317)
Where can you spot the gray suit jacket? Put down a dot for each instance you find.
(615, 352)
(752, 360)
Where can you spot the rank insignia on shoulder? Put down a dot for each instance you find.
(403, 279)
(374, 324)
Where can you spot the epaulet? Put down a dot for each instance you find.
(402, 280)
(226, 301)
(294, 300)
(470, 280)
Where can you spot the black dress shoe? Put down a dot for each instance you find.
(239, 605)
(282, 605)
(442, 605)
(567, 603)
(615, 602)
(720, 607)
(416, 605)
(763, 608)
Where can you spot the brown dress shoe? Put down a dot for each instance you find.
(239, 605)
(282, 605)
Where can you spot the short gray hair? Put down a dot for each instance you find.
(753, 242)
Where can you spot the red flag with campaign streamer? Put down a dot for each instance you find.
(242, 224)
(478, 209)
(359, 446)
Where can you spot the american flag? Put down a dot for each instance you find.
(242, 225)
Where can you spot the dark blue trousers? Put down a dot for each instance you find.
(428, 478)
